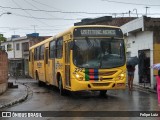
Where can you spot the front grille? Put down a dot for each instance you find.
(97, 74)
(108, 73)
(106, 78)
(100, 84)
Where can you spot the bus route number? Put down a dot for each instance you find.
(77, 70)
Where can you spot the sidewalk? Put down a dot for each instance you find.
(13, 95)
(147, 89)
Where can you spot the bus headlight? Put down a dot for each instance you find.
(121, 76)
(79, 77)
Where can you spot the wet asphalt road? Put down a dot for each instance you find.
(48, 99)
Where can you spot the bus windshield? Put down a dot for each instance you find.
(98, 52)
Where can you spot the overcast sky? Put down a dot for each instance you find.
(49, 17)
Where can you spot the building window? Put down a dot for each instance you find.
(9, 47)
(25, 46)
(41, 54)
(17, 46)
(2, 47)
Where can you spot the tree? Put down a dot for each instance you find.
(2, 39)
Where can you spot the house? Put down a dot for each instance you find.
(18, 52)
(143, 40)
(142, 37)
(105, 20)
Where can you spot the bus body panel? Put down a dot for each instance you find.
(73, 77)
(105, 82)
(31, 63)
(51, 71)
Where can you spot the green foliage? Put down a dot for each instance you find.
(2, 39)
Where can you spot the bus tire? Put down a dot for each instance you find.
(40, 83)
(103, 93)
(60, 86)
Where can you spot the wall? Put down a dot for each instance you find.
(19, 53)
(139, 41)
(10, 52)
(3, 71)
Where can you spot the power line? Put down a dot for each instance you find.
(71, 19)
(43, 18)
(48, 6)
(58, 11)
(30, 14)
(130, 3)
(23, 28)
(44, 4)
(67, 12)
(36, 7)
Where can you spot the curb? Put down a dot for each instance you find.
(144, 89)
(23, 98)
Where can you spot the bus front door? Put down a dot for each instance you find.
(46, 67)
(67, 64)
(31, 63)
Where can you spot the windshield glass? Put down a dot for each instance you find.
(98, 53)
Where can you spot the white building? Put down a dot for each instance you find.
(18, 51)
(143, 40)
(18, 54)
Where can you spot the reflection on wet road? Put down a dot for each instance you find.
(49, 99)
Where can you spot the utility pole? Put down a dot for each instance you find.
(34, 26)
(14, 30)
(129, 13)
(136, 11)
(146, 9)
(115, 14)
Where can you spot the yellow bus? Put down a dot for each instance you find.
(88, 57)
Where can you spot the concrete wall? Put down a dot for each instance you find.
(10, 52)
(3, 71)
(14, 53)
(141, 41)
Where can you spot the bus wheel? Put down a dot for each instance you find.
(60, 86)
(103, 93)
(40, 83)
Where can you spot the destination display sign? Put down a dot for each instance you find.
(97, 32)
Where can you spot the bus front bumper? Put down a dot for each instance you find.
(97, 85)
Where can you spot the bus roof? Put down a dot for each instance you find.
(41, 43)
(67, 31)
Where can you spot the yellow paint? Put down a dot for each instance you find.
(108, 78)
(156, 56)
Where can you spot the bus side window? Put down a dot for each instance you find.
(38, 53)
(41, 54)
(46, 56)
(52, 49)
(35, 54)
(59, 46)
